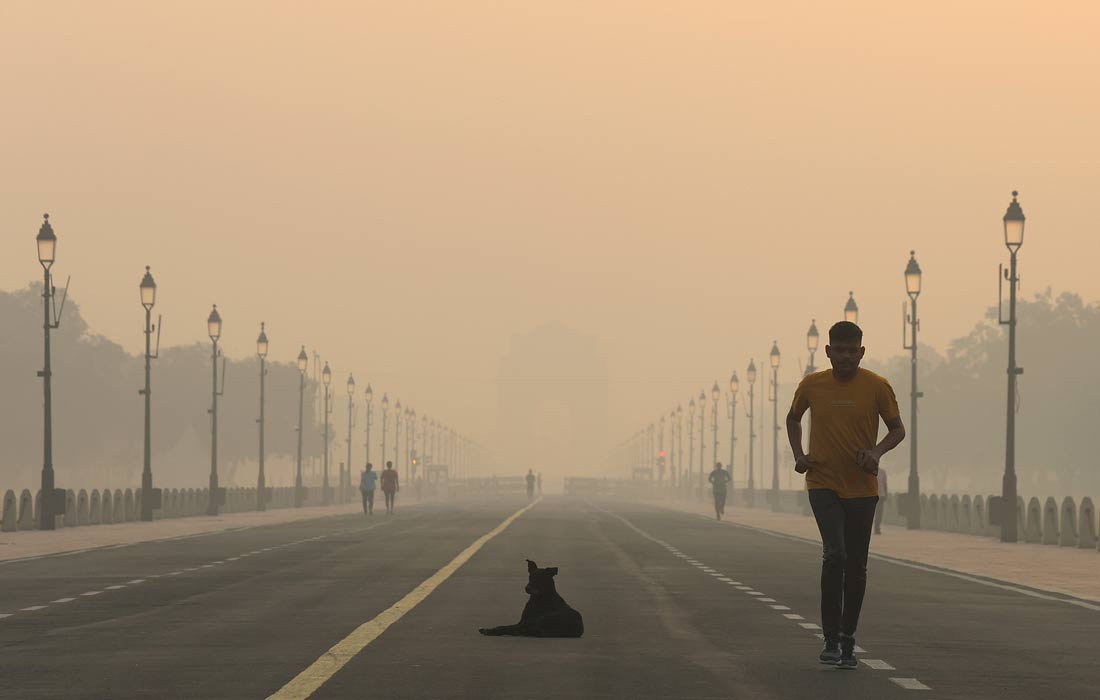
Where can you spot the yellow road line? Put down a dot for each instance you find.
(324, 668)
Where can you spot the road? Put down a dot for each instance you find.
(675, 606)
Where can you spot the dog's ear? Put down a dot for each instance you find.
(531, 566)
(553, 571)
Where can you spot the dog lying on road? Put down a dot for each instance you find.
(546, 613)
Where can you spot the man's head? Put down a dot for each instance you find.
(370, 467)
(845, 348)
(717, 466)
(389, 465)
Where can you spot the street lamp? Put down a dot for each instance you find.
(702, 440)
(691, 446)
(261, 482)
(303, 367)
(813, 339)
(424, 454)
(1014, 239)
(326, 379)
(397, 438)
(851, 311)
(715, 394)
(370, 417)
(750, 375)
(214, 330)
(680, 444)
(148, 290)
(912, 288)
(410, 442)
(53, 499)
(731, 410)
(345, 482)
(385, 415)
(774, 359)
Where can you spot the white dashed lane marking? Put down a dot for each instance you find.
(910, 684)
(63, 600)
(90, 593)
(809, 625)
(114, 588)
(878, 664)
(780, 607)
(793, 616)
(32, 608)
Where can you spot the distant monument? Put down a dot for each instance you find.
(553, 403)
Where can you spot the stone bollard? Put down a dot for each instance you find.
(138, 494)
(1068, 534)
(966, 514)
(108, 508)
(1086, 525)
(927, 512)
(979, 518)
(82, 507)
(1050, 521)
(26, 510)
(120, 507)
(953, 514)
(128, 509)
(10, 519)
(1033, 529)
(95, 509)
(70, 508)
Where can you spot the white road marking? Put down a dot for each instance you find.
(717, 574)
(809, 625)
(232, 558)
(793, 616)
(207, 566)
(92, 593)
(3, 615)
(910, 684)
(302, 686)
(114, 588)
(780, 607)
(33, 608)
(736, 583)
(754, 592)
(744, 588)
(878, 664)
(63, 600)
(766, 600)
(137, 580)
(725, 579)
(709, 571)
(174, 573)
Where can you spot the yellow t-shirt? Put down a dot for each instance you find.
(844, 419)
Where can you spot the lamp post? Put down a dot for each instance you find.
(813, 340)
(326, 379)
(680, 445)
(214, 330)
(851, 311)
(385, 415)
(912, 288)
(397, 437)
(410, 443)
(53, 499)
(691, 448)
(715, 395)
(750, 375)
(774, 359)
(731, 409)
(370, 418)
(702, 441)
(424, 454)
(661, 450)
(1014, 238)
(303, 367)
(345, 484)
(148, 290)
(261, 482)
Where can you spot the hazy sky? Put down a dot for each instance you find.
(403, 186)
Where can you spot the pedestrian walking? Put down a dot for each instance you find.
(390, 485)
(367, 481)
(883, 496)
(540, 483)
(718, 479)
(841, 468)
(530, 484)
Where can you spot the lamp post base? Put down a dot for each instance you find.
(912, 506)
(1009, 516)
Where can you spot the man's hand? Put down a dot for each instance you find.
(867, 460)
(804, 463)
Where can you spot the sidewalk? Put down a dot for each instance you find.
(39, 543)
(1065, 570)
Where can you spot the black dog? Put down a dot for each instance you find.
(546, 613)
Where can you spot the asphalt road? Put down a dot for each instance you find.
(674, 605)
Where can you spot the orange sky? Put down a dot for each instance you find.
(404, 186)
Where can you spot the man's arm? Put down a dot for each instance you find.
(802, 461)
(868, 460)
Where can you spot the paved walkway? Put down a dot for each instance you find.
(1065, 570)
(38, 543)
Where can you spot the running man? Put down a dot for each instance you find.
(530, 484)
(718, 480)
(389, 485)
(367, 482)
(883, 496)
(845, 405)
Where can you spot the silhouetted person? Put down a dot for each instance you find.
(883, 495)
(366, 486)
(540, 483)
(389, 485)
(530, 484)
(845, 404)
(718, 479)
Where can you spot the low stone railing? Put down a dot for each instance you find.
(124, 505)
